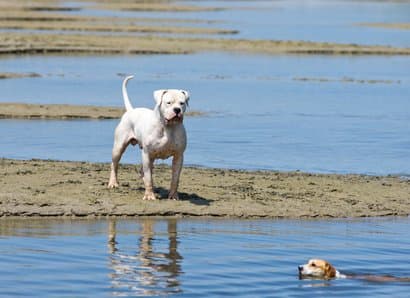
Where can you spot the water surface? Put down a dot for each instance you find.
(201, 258)
(310, 113)
(313, 20)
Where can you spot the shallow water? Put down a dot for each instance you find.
(310, 113)
(201, 258)
(313, 20)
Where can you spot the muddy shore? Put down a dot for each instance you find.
(48, 27)
(399, 26)
(79, 189)
(22, 43)
(64, 111)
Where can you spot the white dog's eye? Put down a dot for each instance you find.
(168, 103)
(182, 103)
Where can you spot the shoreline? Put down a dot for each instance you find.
(44, 188)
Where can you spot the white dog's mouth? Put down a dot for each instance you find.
(176, 119)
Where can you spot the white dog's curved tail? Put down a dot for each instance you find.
(127, 102)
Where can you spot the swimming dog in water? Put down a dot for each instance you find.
(321, 269)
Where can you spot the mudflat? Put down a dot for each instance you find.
(57, 111)
(24, 43)
(79, 189)
(64, 111)
(400, 26)
(48, 27)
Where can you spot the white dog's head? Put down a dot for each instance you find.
(172, 104)
(317, 268)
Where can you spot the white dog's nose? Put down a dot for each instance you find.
(177, 110)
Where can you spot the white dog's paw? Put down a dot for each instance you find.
(149, 196)
(173, 196)
(113, 184)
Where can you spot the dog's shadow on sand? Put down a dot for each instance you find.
(193, 198)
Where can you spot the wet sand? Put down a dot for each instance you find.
(47, 27)
(14, 75)
(77, 26)
(400, 26)
(155, 6)
(56, 188)
(64, 111)
(24, 43)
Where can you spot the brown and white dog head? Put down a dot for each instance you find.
(317, 268)
(172, 104)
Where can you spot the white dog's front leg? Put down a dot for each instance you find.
(147, 166)
(176, 172)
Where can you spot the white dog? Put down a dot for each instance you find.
(159, 133)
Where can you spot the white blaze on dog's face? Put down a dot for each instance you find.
(172, 104)
(318, 269)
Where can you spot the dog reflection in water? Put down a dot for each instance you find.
(145, 270)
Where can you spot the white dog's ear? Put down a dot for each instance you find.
(158, 94)
(186, 93)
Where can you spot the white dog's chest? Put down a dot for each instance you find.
(168, 144)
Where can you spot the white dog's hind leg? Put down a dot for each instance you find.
(116, 156)
(147, 166)
(121, 141)
(177, 162)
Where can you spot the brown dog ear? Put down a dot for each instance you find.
(330, 271)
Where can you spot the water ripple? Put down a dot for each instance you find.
(201, 258)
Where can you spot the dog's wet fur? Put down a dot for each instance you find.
(322, 269)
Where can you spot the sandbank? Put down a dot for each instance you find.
(79, 189)
(64, 111)
(48, 27)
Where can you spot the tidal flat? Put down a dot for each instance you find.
(56, 188)
(50, 27)
(64, 111)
